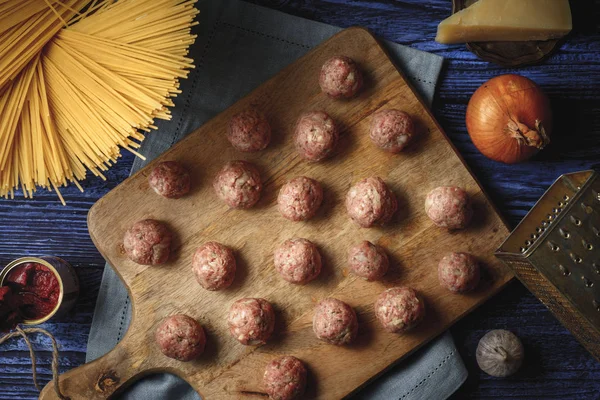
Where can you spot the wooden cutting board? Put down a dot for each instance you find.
(228, 369)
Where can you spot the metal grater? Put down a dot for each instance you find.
(555, 252)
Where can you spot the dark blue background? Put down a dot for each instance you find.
(556, 365)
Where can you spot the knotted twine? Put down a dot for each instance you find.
(23, 333)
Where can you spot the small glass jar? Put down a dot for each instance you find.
(67, 281)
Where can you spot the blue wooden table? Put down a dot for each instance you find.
(556, 365)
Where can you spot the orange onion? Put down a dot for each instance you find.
(509, 118)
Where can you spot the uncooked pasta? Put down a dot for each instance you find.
(82, 80)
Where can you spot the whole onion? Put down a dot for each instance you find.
(509, 118)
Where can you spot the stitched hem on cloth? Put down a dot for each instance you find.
(429, 375)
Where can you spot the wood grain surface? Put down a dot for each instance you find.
(556, 366)
(415, 244)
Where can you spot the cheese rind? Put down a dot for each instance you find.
(507, 20)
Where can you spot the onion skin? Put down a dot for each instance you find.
(509, 118)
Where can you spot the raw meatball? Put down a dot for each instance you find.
(335, 322)
(368, 261)
(214, 266)
(251, 321)
(316, 135)
(391, 130)
(148, 242)
(249, 131)
(458, 272)
(170, 179)
(285, 378)
(238, 184)
(340, 77)
(300, 198)
(370, 202)
(399, 309)
(449, 207)
(298, 261)
(180, 337)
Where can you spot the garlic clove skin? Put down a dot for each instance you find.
(499, 353)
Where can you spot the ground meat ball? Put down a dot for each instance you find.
(285, 378)
(180, 337)
(214, 266)
(399, 309)
(315, 136)
(459, 272)
(370, 202)
(449, 207)
(238, 184)
(340, 77)
(249, 131)
(392, 130)
(300, 198)
(170, 179)
(148, 242)
(251, 321)
(298, 261)
(368, 261)
(335, 322)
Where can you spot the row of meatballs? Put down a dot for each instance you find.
(251, 322)
(369, 202)
(316, 133)
(297, 260)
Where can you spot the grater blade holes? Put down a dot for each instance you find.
(575, 220)
(564, 233)
(588, 283)
(576, 258)
(563, 270)
(587, 208)
(553, 246)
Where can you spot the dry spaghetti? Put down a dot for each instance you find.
(82, 80)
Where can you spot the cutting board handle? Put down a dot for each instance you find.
(98, 379)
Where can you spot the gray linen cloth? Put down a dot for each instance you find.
(239, 46)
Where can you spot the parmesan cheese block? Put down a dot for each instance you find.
(507, 20)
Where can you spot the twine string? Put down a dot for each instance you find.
(24, 334)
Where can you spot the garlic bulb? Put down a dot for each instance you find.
(500, 353)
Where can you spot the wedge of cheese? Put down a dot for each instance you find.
(507, 20)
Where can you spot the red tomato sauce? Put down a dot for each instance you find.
(30, 292)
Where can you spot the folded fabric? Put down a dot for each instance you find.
(239, 46)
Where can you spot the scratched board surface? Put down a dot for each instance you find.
(556, 365)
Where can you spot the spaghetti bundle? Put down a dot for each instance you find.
(95, 85)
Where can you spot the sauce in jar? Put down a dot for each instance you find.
(34, 289)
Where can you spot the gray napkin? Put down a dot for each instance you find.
(239, 46)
